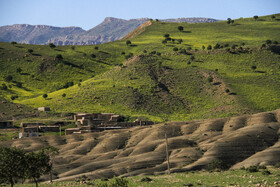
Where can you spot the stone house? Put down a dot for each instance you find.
(44, 109)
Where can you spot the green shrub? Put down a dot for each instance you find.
(175, 49)
(146, 179)
(266, 172)
(277, 165)
(252, 169)
(4, 87)
(210, 79)
(262, 167)
(118, 182)
(217, 164)
(19, 84)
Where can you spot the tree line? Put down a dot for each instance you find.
(16, 165)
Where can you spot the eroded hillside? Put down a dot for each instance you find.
(238, 141)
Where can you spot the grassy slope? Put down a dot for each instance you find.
(159, 87)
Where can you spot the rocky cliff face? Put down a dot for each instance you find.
(110, 29)
(35, 34)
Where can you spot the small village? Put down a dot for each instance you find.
(84, 122)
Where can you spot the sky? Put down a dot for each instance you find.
(89, 13)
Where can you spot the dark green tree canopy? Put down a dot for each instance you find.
(9, 78)
(58, 57)
(128, 42)
(37, 164)
(180, 28)
(51, 45)
(12, 165)
(45, 96)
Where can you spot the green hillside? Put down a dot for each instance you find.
(163, 79)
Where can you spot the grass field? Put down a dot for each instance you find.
(197, 178)
(157, 82)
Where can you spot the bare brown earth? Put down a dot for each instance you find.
(137, 31)
(239, 141)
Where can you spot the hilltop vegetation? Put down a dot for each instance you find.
(163, 73)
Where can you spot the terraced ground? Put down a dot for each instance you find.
(238, 141)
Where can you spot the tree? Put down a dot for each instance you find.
(180, 41)
(164, 42)
(93, 56)
(9, 78)
(128, 42)
(64, 95)
(192, 58)
(175, 49)
(209, 47)
(273, 16)
(19, 70)
(58, 57)
(180, 28)
(228, 20)
(253, 67)
(203, 47)
(37, 164)
(19, 84)
(45, 96)
(217, 46)
(13, 42)
(234, 46)
(268, 42)
(166, 35)
(256, 17)
(68, 84)
(51, 152)
(51, 45)
(168, 39)
(12, 165)
(96, 47)
(30, 51)
(4, 87)
(232, 21)
(73, 47)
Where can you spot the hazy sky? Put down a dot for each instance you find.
(89, 13)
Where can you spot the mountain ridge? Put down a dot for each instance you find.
(110, 29)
